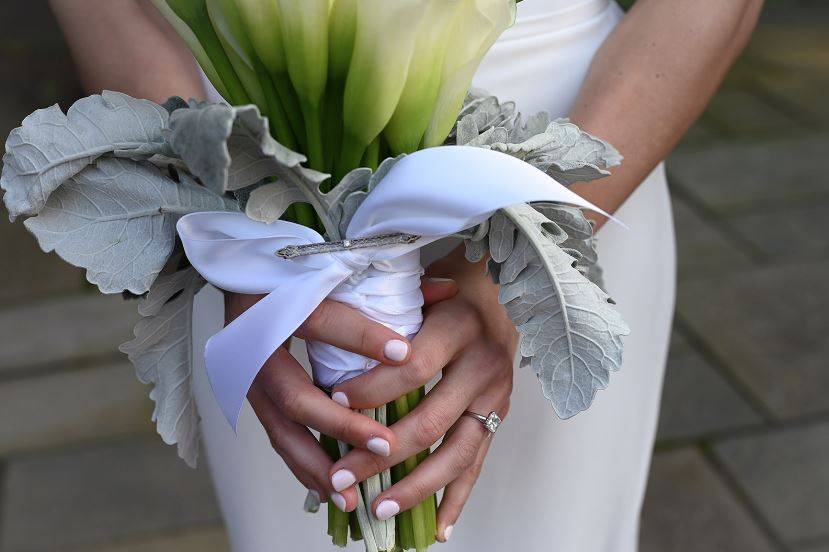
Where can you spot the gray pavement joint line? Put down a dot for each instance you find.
(698, 343)
(747, 431)
(742, 498)
(14, 374)
(718, 222)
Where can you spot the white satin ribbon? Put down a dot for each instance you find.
(433, 193)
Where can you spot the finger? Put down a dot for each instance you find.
(288, 385)
(448, 329)
(424, 425)
(457, 493)
(344, 327)
(300, 450)
(437, 289)
(455, 455)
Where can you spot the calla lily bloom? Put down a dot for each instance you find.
(477, 27)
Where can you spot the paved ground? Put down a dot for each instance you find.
(742, 462)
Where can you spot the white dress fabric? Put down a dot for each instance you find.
(547, 485)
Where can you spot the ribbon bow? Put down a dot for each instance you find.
(432, 193)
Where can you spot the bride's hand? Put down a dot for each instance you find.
(287, 403)
(471, 339)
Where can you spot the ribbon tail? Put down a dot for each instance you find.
(234, 356)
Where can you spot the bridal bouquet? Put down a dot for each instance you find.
(350, 139)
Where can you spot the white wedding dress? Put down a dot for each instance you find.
(548, 484)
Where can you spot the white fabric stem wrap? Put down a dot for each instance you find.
(387, 292)
(432, 193)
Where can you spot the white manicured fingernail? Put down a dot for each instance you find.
(338, 500)
(379, 446)
(387, 509)
(340, 398)
(396, 350)
(447, 533)
(342, 480)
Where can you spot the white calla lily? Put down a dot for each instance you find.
(231, 32)
(477, 26)
(261, 20)
(413, 114)
(305, 39)
(384, 43)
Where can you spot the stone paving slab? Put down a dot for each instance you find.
(813, 548)
(702, 249)
(59, 330)
(769, 327)
(786, 475)
(698, 401)
(740, 113)
(207, 539)
(73, 406)
(734, 178)
(80, 497)
(679, 345)
(33, 274)
(688, 508)
(788, 234)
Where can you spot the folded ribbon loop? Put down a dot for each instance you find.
(432, 193)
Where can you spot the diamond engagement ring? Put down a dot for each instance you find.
(490, 422)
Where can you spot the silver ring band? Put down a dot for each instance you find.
(490, 422)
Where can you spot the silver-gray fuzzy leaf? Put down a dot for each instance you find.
(50, 147)
(580, 242)
(230, 149)
(269, 202)
(569, 329)
(162, 355)
(117, 220)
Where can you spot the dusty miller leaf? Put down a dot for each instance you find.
(230, 149)
(162, 355)
(227, 148)
(580, 242)
(570, 331)
(269, 202)
(117, 220)
(565, 152)
(51, 147)
(353, 189)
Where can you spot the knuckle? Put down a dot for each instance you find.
(429, 427)
(419, 491)
(291, 403)
(465, 451)
(419, 370)
(474, 471)
(345, 428)
(321, 317)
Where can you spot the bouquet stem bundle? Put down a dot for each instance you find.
(348, 83)
(414, 529)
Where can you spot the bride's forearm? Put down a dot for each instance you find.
(652, 78)
(127, 46)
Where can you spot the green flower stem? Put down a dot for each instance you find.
(420, 527)
(338, 522)
(313, 133)
(332, 121)
(195, 15)
(361, 511)
(354, 525)
(278, 119)
(351, 155)
(371, 158)
(291, 104)
(305, 215)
